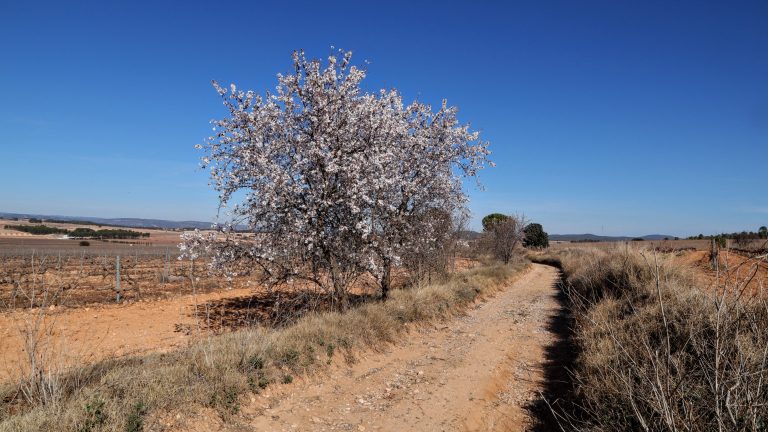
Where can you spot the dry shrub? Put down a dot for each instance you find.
(131, 393)
(39, 381)
(657, 352)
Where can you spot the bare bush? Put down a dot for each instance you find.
(432, 257)
(39, 382)
(503, 236)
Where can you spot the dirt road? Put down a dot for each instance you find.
(476, 372)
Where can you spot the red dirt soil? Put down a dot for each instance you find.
(733, 270)
(90, 334)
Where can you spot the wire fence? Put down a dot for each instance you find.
(101, 275)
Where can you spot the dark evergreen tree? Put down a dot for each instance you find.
(535, 236)
(492, 219)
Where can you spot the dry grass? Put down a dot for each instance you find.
(129, 394)
(656, 352)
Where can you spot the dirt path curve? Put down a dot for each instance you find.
(476, 372)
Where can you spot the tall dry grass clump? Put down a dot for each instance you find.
(656, 352)
(134, 393)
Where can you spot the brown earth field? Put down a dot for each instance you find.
(80, 279)
(664, 245)
(83, 335)
(83, 323)
(734, 270)
(87, 275)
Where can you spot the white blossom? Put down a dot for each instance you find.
(337, 181)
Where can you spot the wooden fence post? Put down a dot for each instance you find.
(117, 278)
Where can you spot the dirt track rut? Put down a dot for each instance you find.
(476, 372)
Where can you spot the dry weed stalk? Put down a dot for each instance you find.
(39, 372)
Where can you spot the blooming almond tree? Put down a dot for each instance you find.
(332, 181)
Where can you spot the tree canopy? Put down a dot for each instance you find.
(491, 219)
(535, 236)
(336, 181)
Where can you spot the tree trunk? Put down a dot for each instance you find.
(386, 280)
(340, 298)
(340, 292)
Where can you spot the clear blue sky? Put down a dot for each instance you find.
(606, 117)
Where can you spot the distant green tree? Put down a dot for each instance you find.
(535, 236)
(107, 233)
(492, 219)
(82, 233)
(763, 232)
(37, 229)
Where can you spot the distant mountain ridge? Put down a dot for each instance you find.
(119, 222)
(593, 237)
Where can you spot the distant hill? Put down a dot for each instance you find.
(593, 237)
(469, 235)
(117, 222)
(167, 224)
